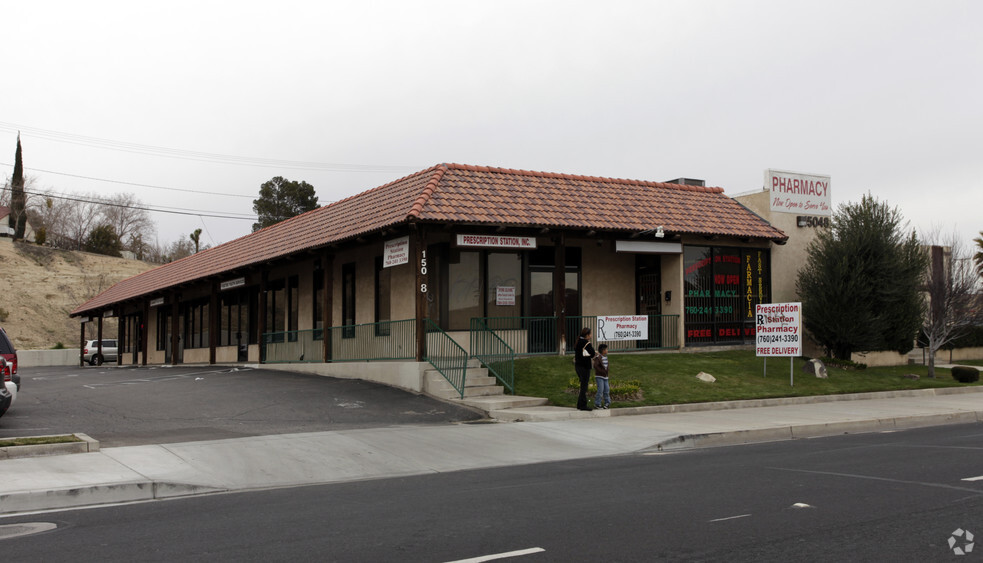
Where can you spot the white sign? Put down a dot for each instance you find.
(505, 296)
(496, 241)
(232, 284)
(396, 252)
(804, 194)
(157, 302)
(624, 327)
(778, 329)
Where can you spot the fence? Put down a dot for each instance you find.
(529, 336)
(446, 356)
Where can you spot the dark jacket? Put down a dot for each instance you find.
(579, 358)
(599, 369)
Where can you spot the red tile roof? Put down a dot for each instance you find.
(473, 195)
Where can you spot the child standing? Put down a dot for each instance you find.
(602, 399)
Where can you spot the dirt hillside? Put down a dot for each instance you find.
(40, 286)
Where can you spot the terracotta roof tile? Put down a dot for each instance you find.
(469, 194)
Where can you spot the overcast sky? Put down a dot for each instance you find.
(884, 97)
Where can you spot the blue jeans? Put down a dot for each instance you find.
(603, 391)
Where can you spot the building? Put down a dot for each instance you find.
(460, 251)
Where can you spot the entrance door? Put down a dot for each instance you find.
(648, 283)
(541, 330)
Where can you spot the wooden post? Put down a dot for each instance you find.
(82, 344)
(261, 314)
(213, 314)
(421, 265)
(145, 331)
(99, 337)
(175, 328)
(560, 294)
(327, 267)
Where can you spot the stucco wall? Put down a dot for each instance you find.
(607, 280)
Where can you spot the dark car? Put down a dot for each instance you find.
(9, 353)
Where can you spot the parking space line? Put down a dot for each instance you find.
(518, 553)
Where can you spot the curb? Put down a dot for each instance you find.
(798, 432)
(86, 445)
(95, 495)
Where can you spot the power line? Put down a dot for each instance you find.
(172, 210)
(123, 146)
(129, 183)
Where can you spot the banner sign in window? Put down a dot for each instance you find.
(804, 194)
(505, 296)
(778, 329)
(624, 327)
(396, 252)
(497, 241)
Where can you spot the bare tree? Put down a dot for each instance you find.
(951, 288)
(81, 216)
(128, 217)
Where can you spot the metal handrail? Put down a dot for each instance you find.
(494, 353)
(446, 356)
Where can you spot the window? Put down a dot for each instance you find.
(276, 310)
(503, 288)
(464, 295)
(196, 324)
(319, 304)
(293, 307)
(234, 318)
(348, 299)
(163, 328)
(383, 308)
(722, 286)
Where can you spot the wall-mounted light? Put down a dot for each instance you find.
(659, 233)
(668, 296)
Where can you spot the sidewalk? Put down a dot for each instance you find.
(141, 473)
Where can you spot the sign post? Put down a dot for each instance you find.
(778, 329)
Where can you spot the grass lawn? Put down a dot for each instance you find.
(670, 378)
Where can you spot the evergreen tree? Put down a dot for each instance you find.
(281, 199)
(104, 240)
(18, 204)
(860, 285)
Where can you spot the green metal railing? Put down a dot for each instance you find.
(494, 353)
(526, 336)
(390, 340)
(446, 356)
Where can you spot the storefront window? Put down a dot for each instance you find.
(464, 289)
(503, 290)
(722, 288)
(383, 310)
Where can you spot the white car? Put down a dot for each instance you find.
(91, 351)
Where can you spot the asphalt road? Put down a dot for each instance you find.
(871, 497)
(155, 405)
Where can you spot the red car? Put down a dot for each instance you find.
(9, 353)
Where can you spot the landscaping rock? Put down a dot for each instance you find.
(703, 376)
(817, 367)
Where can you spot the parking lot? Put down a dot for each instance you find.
(157, 405)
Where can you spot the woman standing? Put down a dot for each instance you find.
(584, 354)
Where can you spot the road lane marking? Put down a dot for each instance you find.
(518, 553)
(730, 518)
(980, 478)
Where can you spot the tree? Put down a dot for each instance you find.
(104, 240)
(978, 257)
(860, 284)
(127, 216)
(195, 238)
(953, 302)
(281, 199)
(18, 203)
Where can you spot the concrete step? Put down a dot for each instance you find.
(502, 402)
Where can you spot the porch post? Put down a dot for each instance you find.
(82, 344)
(213, 324)
(560, 294)
(99, 335)
(420, 263)
(261, 314)
(175, 328)
(327, 266)
(145, 331)
(120, 333)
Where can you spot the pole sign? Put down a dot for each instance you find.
(624, 327)
(778, 329)
(804, 194)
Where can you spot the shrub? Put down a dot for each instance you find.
(58, 346)
(843, 364)
(621, 390)
(965, 374)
